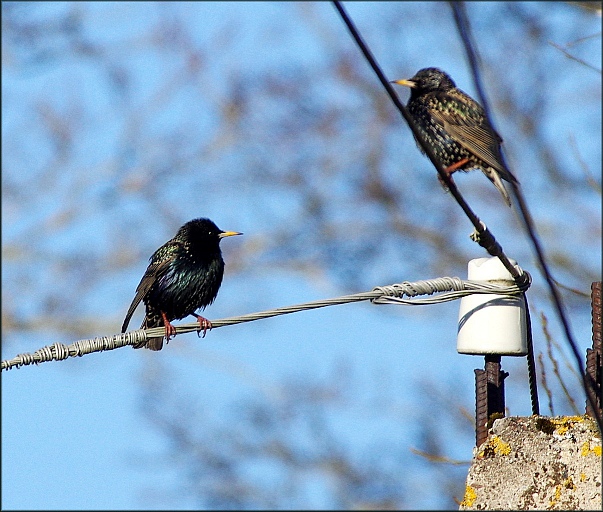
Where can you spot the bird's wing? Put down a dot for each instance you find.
(155, 270)
(476, 136)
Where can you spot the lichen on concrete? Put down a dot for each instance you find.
(537, 463)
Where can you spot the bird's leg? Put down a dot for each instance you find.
(451, 168)
(170, 330)
(204, 324)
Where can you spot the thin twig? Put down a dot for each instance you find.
(573, 57)
(544, 382)
(551, 356)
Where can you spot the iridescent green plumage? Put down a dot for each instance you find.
(184, 275)
(456, 127)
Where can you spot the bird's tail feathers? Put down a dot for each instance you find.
(506, 175)
(151, 343)
(494, 177)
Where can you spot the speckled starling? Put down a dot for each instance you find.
(184, 275)
(456, 127)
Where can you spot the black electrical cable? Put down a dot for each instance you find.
(462, 21)
(485, 238)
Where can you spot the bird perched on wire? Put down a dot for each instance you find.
(456, 127)
(184, 275)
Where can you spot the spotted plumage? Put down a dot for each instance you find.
(184, 275)
(456, 127)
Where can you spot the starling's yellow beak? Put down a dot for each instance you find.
(407, 83)
(224, 234)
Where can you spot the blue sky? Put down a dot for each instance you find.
(74, 433)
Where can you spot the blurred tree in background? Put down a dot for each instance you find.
(130, 132)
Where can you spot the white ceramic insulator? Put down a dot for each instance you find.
(489, 323)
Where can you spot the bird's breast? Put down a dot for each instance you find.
(188, 285)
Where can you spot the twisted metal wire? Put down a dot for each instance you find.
(449, 288)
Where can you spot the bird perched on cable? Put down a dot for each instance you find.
(184, 275)
(456, 127)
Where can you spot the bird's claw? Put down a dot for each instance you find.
(170, 330)
(204, 324)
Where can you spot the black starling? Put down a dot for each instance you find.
(456, 127)
(184, 275)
